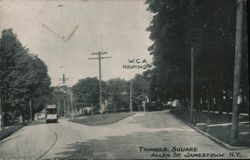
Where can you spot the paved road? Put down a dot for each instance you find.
(67, 140)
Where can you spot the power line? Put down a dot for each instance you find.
(43, 7)
(72, 33)
(36, 17)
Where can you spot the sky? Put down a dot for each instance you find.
(64, 33)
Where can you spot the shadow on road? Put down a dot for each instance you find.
(115, 147)
(8, 139)
(40, 123)
(124, 139)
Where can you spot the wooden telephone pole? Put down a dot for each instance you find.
(131, 96)
(64, 79)
(237, 69)
(30, 109)
(192, 85)
(99, 58)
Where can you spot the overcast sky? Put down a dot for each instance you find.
(64, 33)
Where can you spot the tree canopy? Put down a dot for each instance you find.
(140, 91)
(207, 26)
(86, 92)
(23, 76)
(117, 94)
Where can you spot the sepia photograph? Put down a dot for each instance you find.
(124, 79)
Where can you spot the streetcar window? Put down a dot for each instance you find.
(51, 111)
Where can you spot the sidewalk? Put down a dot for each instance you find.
(218, 127)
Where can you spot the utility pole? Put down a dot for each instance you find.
(192, 85)
(131, 96)
(1, 115)
(99, 58)
(71, 103)
(58, 103)
(64, 79)
(30, 107)
(237, 69)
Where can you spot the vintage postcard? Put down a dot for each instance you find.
(124, 79)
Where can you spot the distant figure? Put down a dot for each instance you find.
(144, 106)
(240, 101)
(35, 118)
(21, 119)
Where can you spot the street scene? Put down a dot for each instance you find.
(127, 79)
(128, 138)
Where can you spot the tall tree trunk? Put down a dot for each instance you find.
(220, 103)
(1, 115)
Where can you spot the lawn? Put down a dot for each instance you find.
(104, 119)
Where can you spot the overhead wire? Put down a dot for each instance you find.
(36, 17)
(72, 33)
(45, 5)
(15, 14)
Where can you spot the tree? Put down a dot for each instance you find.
(37, 83)
(140, 91)
(10, 52)
(117, 93)
(179, 25)
(86, 92)
(171, 75)
(24, 77)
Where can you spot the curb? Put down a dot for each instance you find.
(216, 140)
(102, 124)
